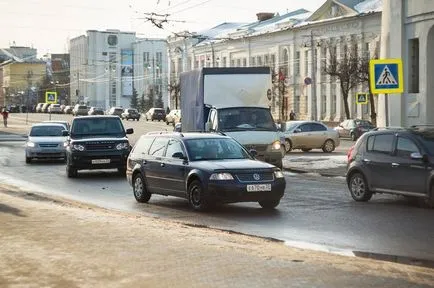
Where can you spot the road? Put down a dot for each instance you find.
(316, 212)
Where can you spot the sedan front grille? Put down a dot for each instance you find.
(255, 177)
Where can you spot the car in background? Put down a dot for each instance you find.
(395, 161)
(353, 128)
(131, 113)
(117, 111)
(155, 114)
(68, 109)
(177, 127)
(95, 111)
(55, 109)
(80, 110)
(97, 142)
(45, 107)
(173, 117)
(204, 168)
(45, 141)
(308, 135)
(64, 123)
(38, 108)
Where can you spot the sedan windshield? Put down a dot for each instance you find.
(46, 131)
(246, 118)
(215, 149)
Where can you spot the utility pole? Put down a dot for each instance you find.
(313, 77)
(29, 88)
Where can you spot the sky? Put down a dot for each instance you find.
(47, 25)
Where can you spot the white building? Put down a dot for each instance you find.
(107, 65)
(287, 43)
(408, 33)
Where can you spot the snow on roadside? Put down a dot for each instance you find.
(315, 162)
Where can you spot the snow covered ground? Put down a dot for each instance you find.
(314, 162)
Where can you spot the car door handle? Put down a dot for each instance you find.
(395, 164)
(367, 161)
(162, 164)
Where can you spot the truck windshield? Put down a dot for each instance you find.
(245, 118)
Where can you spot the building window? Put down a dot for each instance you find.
(285, 63)
(158, 64)
(297, 63)
(238, 62)
(414, 65)
(323, 100)
(253, 62)
(233, 63)
(146, 59)
(244, 62)
(306, 63)
(189, 64)
(273, 61)
(267, 60)
(333, 96)
(259, 61)
(179, 66)
(297, 98)
(224, 62)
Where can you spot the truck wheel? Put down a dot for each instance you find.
(269, 204)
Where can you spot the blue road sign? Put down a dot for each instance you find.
(386, 76)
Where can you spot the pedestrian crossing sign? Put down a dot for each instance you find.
(362, 98)
(386, 76)
(51, 97)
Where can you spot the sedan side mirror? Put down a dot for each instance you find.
(418, 156)
(179, 155)
(253, 152)
(298, 130)
(130, 131)
(65, 133)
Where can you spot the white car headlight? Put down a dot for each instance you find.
(221, 176)
(276, 145)
(65, 144)
(278, 174)
(122, 146)
(78, 147)
(30, 144)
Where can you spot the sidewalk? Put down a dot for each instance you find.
(46, 243)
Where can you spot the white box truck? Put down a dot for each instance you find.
(234, 101)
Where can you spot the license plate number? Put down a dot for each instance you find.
(258, 187)
(100, 161)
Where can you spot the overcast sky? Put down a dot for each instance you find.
(48, 24)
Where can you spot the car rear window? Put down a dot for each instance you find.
(380, 143)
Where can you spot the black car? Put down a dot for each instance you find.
(398, 161)
(155, 114)
(97, 142)
(354, 128)
(204, 168)
(131, 113)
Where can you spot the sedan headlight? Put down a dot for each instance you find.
(78, 147)
(122, 146)
(221, 176)
(276, 145)
(278, 174)
(30, 144)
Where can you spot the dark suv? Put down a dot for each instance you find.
(204, 168)
(155, 114)
(97, 142)
(398, 161)
(354, 128)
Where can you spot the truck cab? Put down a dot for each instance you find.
(253, 127)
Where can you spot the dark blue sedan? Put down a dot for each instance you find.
(204, 168)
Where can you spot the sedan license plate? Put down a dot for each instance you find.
(258, 187)
(100, 161)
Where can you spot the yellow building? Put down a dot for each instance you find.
(18, 77)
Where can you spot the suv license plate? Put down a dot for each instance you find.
(100, 161)
(258, 187)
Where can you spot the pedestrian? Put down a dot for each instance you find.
(292, 115)
(5, 115)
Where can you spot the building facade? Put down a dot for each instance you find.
(103, 68)
(408, 33)
(59, 74)
(297, 46)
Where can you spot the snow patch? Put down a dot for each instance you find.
(314, 162)
(369, 6)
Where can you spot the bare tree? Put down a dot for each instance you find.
(346, 68)
(174, 90)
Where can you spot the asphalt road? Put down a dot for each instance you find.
(316, 212)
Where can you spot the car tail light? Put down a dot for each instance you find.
(350, 153)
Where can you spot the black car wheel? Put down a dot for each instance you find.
(288, 145)
(269, 204)
(329, 146)
(359, 188)
(70, 171)
(196, 197)
(141, 194)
